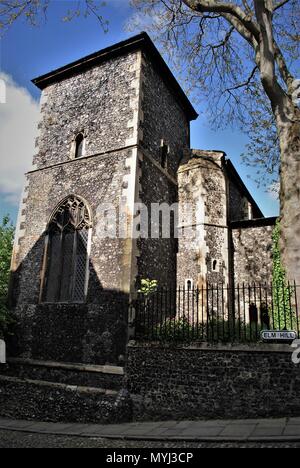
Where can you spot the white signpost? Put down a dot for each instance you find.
(2, 352)
(268, 335)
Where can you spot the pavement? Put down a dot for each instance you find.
(255, 430)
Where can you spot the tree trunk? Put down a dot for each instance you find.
(287, 116)
(288, 122)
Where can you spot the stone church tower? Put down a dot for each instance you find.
(115, 131)
(114, 127)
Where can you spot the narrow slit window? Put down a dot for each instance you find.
(79, 146)
(164, 152)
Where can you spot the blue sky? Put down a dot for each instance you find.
(27, 52)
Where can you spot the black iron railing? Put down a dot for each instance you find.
(216, 313)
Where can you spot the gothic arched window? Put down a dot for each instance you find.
(79, 142)
(66, 256)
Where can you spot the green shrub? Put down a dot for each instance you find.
(148, 287)
(174, 330)
(6, 246)
(180, 330)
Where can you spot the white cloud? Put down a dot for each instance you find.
(18, 130)
(274, 190)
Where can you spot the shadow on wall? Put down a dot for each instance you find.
(92, 332)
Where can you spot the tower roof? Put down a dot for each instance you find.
(140, 42)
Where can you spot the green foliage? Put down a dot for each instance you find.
(284, 315)
(279, 276)
(174, 330)
(181, 330)
(148, 287)
(231, 331)
(6, 246)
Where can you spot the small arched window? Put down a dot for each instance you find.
(66, 256)
(189, 284)
(215, 265)
(79, 145)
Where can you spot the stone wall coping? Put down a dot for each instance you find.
(60, 386)
(114, 370)
(253, 348)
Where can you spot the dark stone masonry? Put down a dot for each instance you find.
(159, 383)
(252, 251)
(51, 391)
(190, 383)
(76, 375)
(37, 401)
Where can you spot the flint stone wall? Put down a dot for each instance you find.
(40, 401)
(163, 120)
(252, 254)
(68, 374)
(202, 185)
(190, 383)
(238, 203)
(157, 257)
(97, 102)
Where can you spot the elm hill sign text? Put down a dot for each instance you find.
(278, 335)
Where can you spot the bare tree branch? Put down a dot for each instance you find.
(247, 7)
(92, 8)
(245, 83)
(280, 4)
(32, 10)
(226, 39)
(229, 9)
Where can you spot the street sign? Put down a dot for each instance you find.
(2, 352)
(269, 335)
